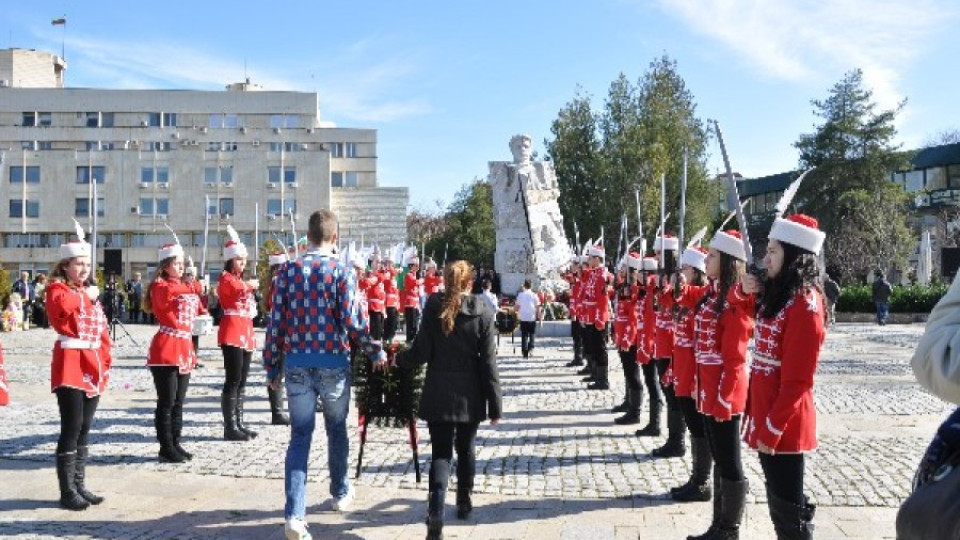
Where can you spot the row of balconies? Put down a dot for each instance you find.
(214, 185)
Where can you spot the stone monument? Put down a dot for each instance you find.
(531, 243)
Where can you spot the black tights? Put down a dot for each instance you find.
(390, 325)
(631, 370)
(724, 438)
(594, 345)
(445, 436)
(695, 420)
(411, 319)
(663, 364)
(236, 362)
(784, 476)
(376, 325)
(76, 417)
(650, 380)
(171, 388)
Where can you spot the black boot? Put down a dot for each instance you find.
(734, 493)
(66, 476)
(624, 406)
(601, 382)
(435, 514)
(240, 425)
(228, 405)
(791, 522)
(697, 489)
(80, 476)
(717, 509)
(464, 501)
(168, 453)
(676, 429)
(276, 407)
(588, 366)
(176, 423)
(653, 428)
(632, 415)
(591, 372)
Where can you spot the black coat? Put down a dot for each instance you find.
(461, 384)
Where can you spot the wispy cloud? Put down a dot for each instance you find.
(358, 92)
(803, 40)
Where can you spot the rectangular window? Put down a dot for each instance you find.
(913, 181)
(155, 119)
(350, 149)
(336, 179)
(163, 174)
(210, 175)
(44, 145)
(288, 205)
(146, 175)
(154, 206)
(16, 208)
(99, 173)
(350, 179)
(226, 206)
(290, 175)
(936, 178)
(28, 145)
(44, 119)
(29, 119)
(146, 206)
(273, 207)
(96, 146)
(274, 175)
(336, 149)
(170, 119)
(953, 176)
(284, 121)
(93, 119)
(33, 174)
(275, 146)
(226, 174)
(106, 119)
(82, 207)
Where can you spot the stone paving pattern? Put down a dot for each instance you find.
(556, 464)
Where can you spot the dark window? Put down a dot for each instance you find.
(33, 174)
(98, 171)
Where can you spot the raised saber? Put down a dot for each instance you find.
(683, 215)
(733, 199)
(206, 234)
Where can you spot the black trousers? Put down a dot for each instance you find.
(390, 325)
(631, 370)
(577, 335)
(695, 420)
(171, 388)
(444, 437)
(724, 439)
(527, 330)
(411, 319)
(76, 417)
(594, 345)
(663, 364)
(376, 325)
(784, 476)
(649, 371)
(236, 364)
(196, 344)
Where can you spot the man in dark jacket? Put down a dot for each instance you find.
(831, 290)
(881, 296)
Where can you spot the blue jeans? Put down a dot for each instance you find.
(304, 385)
(883, 309)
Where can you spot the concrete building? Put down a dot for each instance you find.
(155, 156)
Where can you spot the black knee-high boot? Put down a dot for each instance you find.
(164, 426)
(676, 430)
(717, 510)
(439, 474)
(80, 476)
(790, 521)
(277, 417)
(228, 406)
(176, 423)
(697, 489)
(240, 425)
(66, 476)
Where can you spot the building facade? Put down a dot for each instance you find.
(137, 160)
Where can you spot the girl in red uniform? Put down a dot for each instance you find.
(80, 368)
(646, 328)
(781, 421)
(275, 388)
(373, 288)
(693, 266)
(723, 325)
(411, 298)
(625, 337)
(171, 357)
(235, 336)
(388, 276)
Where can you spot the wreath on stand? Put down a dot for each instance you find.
(387, 398)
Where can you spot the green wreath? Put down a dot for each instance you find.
(386, 398)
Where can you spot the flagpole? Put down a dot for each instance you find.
(206, 234)
(256, 235)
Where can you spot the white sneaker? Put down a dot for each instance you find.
(296, 529)
(342, 504)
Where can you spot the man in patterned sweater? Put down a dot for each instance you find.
(315, 312)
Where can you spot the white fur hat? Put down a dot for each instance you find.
(76, 248)
(729, 242)
(234, 247)
(595, 251)
(666, 242)
(278, 257)
(650, 264)
(635, 261)
(799, 230)
(696, 257)
(169, 250)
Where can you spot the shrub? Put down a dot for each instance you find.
(905, 298)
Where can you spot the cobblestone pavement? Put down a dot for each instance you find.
(556, 466)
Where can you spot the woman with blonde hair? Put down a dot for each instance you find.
(457, 342)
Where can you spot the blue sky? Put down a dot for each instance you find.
(447, 84)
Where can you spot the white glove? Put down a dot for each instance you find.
(93, 292)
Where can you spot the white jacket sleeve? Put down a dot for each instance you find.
(936, 362)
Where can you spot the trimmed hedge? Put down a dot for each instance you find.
(905, 298)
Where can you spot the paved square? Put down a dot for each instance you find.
(556, 468)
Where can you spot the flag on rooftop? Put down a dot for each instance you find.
(60, 21)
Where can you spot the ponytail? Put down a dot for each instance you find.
(457, 280)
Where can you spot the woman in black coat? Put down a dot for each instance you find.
(457, 341)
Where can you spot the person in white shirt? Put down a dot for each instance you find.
(528, 308)
(487, 293)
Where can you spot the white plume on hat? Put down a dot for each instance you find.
(77, 248)
(234, 247)
(172, 249)
(190, 269)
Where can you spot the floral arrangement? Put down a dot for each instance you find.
(10, 320)
(389, 398)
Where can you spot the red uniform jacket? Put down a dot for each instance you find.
(781, 412)
(371, 286)
(595, 308)
(4, 391)
(389, 279)
(175, 305)
(239, 309)
(576, 289)
(625, 321)
(646, 324)
(432, 283)
(684, 365)
(663, 331)
(720, 347)
(411, 291)
(81, 354)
